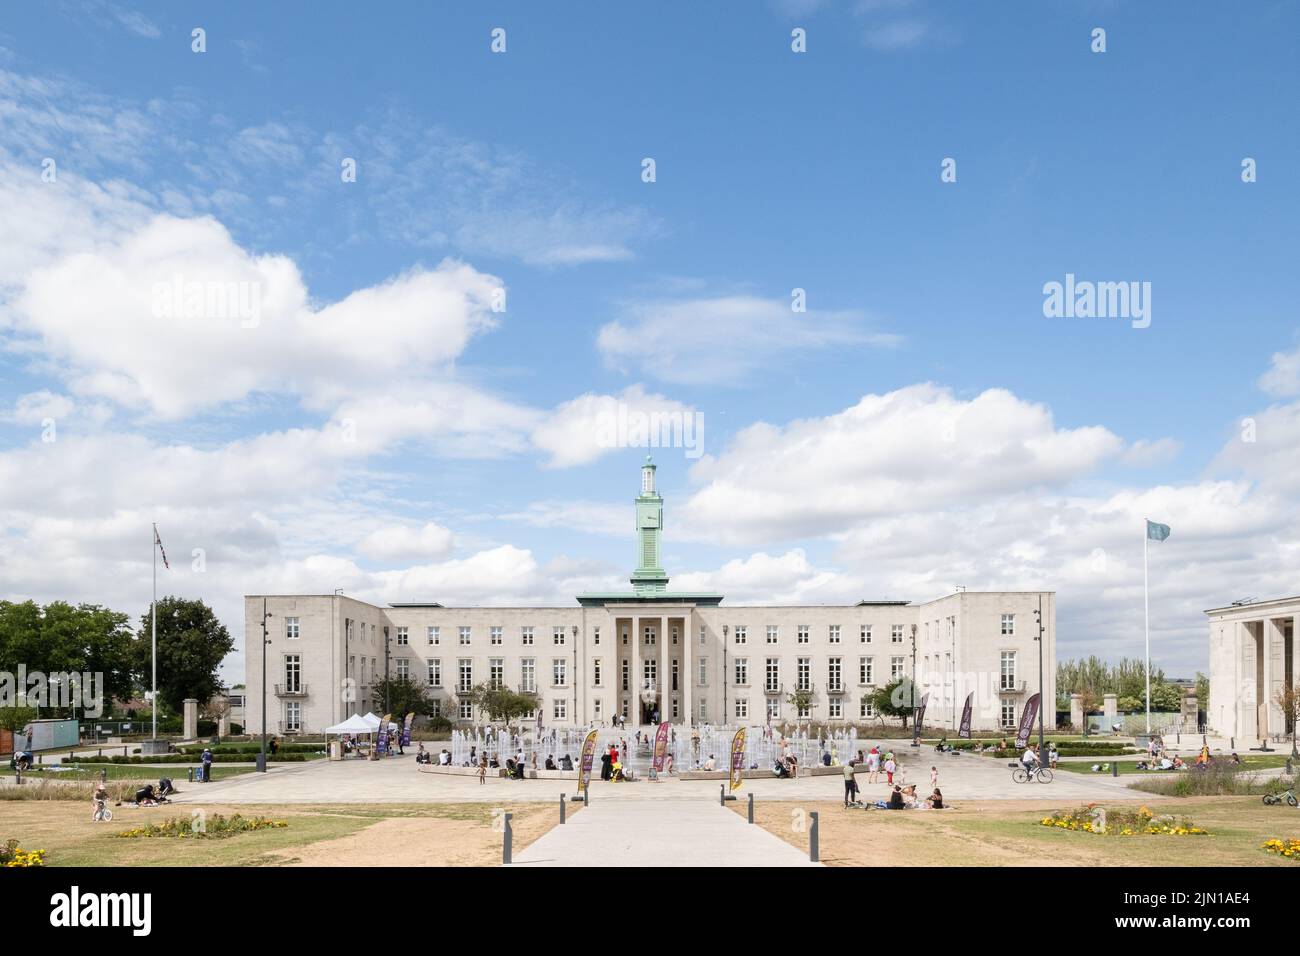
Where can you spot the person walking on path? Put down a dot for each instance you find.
(873, 765)
(890, 767)
(482, 769)
(934, 778)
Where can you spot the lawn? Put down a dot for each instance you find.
(146, 773)
(1127, 764)
(325, 835)
(1005, 834)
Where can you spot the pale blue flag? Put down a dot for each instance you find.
(1156, 531)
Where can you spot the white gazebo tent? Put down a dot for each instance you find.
(356, 724)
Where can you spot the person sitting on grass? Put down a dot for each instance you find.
(935, 800)
(896, 800)
(146, 796)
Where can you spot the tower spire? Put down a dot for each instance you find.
(649, 576)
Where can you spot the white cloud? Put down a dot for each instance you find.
(579, 431)
(1282, 379)
(725, 340)
(917, 447)
(404, 542)
(35, 407)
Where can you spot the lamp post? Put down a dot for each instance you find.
(1042, 703)
(386, 687)
(724, 673)
(266, 639)
(915, 730)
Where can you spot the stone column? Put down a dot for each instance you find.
(191, 719)
(634, 685)
(687, 677)
(1110, 707)
(1076, 710)
(1266, 692)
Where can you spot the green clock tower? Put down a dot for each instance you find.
(649, 576)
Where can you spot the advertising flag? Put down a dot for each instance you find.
(1027, 722)
(406, 730)
(661, 747)
(918, 719)
(588, 755)
(964, 730)
(737, 758)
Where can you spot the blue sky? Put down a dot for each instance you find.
(775, 170)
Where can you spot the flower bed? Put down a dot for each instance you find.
(12, 855)
(197, 828)
(1121, 821)
(1287, 848)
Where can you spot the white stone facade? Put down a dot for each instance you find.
(704, 663)
(1252, 657)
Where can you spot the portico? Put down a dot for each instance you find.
(1252, 660)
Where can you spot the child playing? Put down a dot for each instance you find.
(482, 769)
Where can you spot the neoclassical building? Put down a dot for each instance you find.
(1252, 658)
(651, 651)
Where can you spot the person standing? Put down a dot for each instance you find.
(482, 769)
(873, 765)
(207, 765)
(934, 778)
(890, 767)
(606, 763)
(850, 783)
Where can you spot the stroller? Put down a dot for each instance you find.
(21, 761)
(780, 770)
(617, 775)
(515, 771)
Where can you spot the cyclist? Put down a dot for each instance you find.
(1029, 760)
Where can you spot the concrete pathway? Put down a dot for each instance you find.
(698, 832)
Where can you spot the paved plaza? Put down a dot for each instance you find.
(401, 780)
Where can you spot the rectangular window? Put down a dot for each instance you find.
(293, 674)
(674, 673)
(834, 634)
(595, 635)
(772, 675)
(704, 672)
(526, 636)
(675, 630)
(773, 633)
(292, 717)
(866, 707)
(496, 671)
(528, 675)
(595, 672)
(703, 637)
(742, 634)
(1008, 712)
(650, 672)
(598, 704)
(676, 708)
(896, 634)
(464, 635)
(624, 635)
(803, 634)
(403, 636)
(866, 665)
(648, 637)
(560, 672)
(836, 708)
(896, 667)
(805, 712)
(742, 708)
(403, 668)
(1008, 624)
(742, 671)
(434, 666)
(804, 673)
(465, 666)
(626, 672)
(560, 708)
(864, 634)
(774, 708)
(291, 628)
(833, 672)
(1008, 670)
(557, 636)
(494, 635)
(431, 633)
(704, 710)
(464, 710)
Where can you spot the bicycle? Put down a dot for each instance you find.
(1273, 799)
(1021, 775)
(102, 813)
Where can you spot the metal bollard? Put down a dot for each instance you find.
(563, 800)
(1114, 769)
(586, 799)
(722, 795)
(814, 851)
(1232, 743)
(190, 778)
(508, 836)
(751, 808)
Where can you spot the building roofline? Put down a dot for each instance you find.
(1253, 604)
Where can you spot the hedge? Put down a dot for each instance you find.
(187, 759)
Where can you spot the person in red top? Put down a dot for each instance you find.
(613, 754)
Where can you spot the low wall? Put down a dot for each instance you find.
(501, 772)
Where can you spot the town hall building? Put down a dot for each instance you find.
(654, 653)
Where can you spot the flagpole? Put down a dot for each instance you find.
(1146, 614)
(153, 547)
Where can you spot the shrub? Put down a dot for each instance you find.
(1215, 780)
(118, 790)
(1120, 821)
(12, 855)
(215, 827)
(1287, 848)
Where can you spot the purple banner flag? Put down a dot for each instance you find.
(1027, 721)
(661, 747)
(737, 758)
(964, 730)
(918, 719)
(406, 730)
(588, 755)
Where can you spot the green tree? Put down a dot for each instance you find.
(500, 703)
(15, 719)
(191, 645)
(61, 638)
(800, 699)
(403, 695)
(1202, 691)
(895, 699)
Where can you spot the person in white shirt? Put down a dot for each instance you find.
(710, 764)
(1029, 759)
